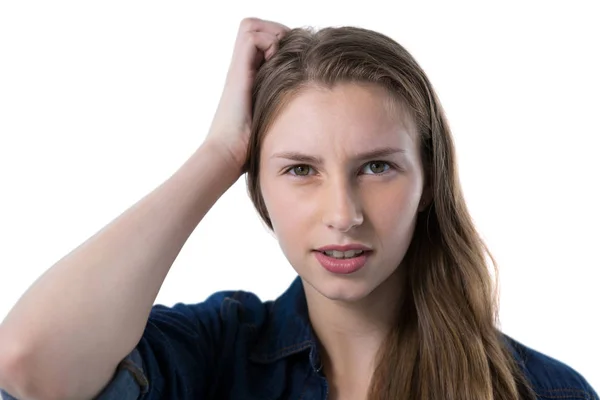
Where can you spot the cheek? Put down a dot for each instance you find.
(285, 212)
(289, 228)
(393, 212)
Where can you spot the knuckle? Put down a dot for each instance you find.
(249, 23)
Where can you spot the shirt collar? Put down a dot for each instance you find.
(287, 329)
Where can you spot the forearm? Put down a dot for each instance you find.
(89, 310)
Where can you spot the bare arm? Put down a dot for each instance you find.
(66, 335)
(89, 310)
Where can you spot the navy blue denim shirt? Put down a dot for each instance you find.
(234, 346)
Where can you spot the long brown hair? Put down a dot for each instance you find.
(446, 344)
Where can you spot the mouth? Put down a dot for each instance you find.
(342, 262)
(342, 255)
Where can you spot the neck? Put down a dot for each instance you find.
(351, 333)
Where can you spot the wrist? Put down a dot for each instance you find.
(230, 159)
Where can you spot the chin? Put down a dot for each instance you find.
(343, 288)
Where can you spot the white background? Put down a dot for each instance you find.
(102, 101)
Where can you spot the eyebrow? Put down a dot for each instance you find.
(305, 158)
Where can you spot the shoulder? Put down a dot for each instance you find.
(209, 324)
(186, 348)
(549, 377)
(223, 307)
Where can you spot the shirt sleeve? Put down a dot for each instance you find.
(176, 356)
(129, 381)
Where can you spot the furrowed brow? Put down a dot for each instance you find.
(308, 159)
(380, 152)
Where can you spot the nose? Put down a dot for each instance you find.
(342, 210)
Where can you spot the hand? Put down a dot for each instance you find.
(257, 41)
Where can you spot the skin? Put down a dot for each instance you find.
(343, 199)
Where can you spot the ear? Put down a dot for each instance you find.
(426, 198)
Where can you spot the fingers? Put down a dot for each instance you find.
(257, 40)
(263, 41)
(263, 34)
(261, 25)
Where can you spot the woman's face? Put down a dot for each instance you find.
(322, 188)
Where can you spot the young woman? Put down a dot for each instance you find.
(351, 163)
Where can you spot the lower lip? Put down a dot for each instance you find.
(342, 266)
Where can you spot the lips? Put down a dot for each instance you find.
(342, 266)
(346, 247)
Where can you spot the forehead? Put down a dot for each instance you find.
(349, 115)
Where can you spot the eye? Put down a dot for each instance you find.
(299, 170)
(377, 167)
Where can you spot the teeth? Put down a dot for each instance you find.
(343, 254)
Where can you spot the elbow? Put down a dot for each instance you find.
(11, 369)
(17, 379)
